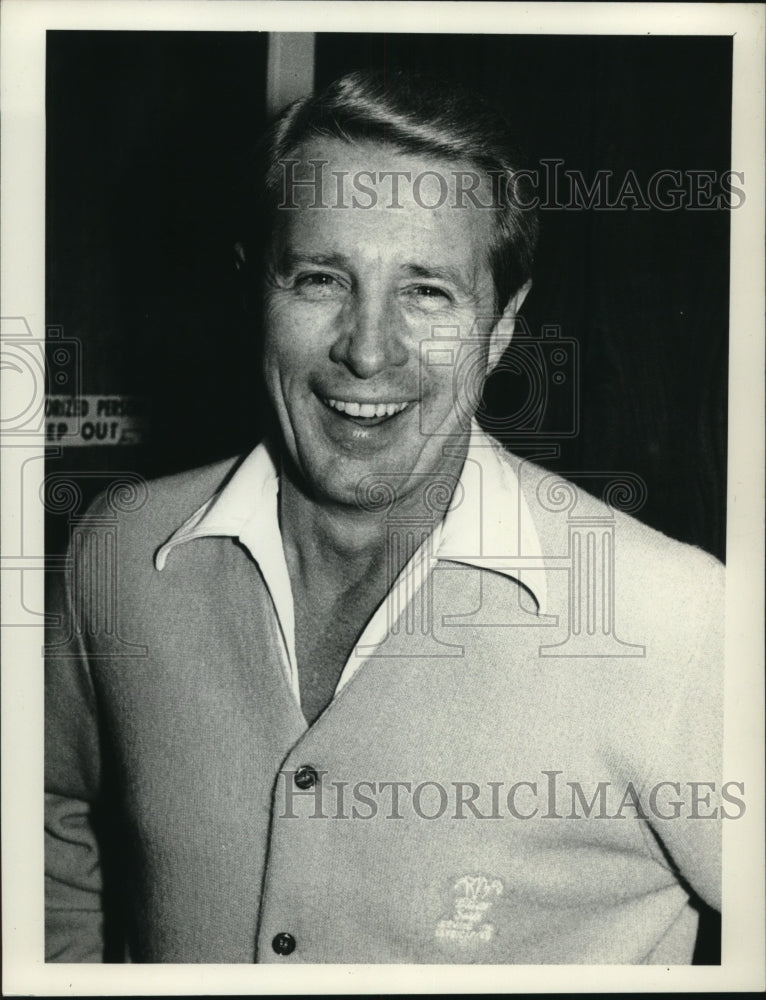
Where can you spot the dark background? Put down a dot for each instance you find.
(146, 134)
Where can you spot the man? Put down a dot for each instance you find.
(376, 693)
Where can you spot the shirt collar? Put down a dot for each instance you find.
(248, 499)
(488, 524)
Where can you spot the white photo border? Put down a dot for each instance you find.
(23, 26)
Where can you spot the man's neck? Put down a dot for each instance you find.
(321, 538)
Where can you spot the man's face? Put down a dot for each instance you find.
(352, 295)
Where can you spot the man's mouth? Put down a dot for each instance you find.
(366, 414)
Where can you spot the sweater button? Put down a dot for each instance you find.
(283, 944)
(306, 777)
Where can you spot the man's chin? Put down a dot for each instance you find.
(376, 478)
(371, 490)
(365, 490)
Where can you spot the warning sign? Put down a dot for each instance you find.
(83, 421)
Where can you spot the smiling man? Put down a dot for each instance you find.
(375, 696)
(352, 296)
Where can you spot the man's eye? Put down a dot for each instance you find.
(430, 294)
(318, 285)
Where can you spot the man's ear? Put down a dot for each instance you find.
(500, 337)
(239, 254)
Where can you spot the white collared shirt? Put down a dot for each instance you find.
(488, 525)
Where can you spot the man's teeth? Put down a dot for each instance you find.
(366, 409)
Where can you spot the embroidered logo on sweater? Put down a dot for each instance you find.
(473, 899)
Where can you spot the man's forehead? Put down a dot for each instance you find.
(373, 175)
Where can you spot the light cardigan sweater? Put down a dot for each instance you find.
(173, 707)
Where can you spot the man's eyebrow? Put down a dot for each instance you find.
(288, 260)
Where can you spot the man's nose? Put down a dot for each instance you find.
(371, 338)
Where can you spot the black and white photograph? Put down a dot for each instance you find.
(380, 546)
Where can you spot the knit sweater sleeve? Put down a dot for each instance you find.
(73, 884)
